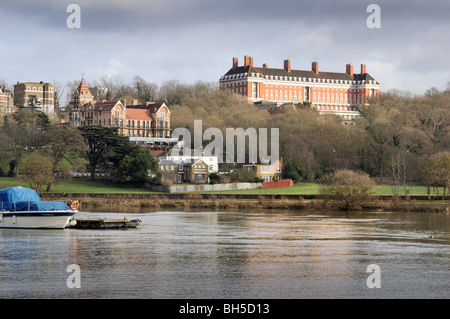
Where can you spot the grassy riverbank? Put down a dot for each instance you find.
(99, 195)
(78, 186)
(82, 185)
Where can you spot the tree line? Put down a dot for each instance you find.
(399, 138)
(396, 137)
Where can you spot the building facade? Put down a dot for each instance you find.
(196, 171)
(81, 97)
(6, 101)
(144, 121)
(328, 92)
(190, 156)
(43, 92)
(269, 171)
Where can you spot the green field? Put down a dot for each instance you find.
(81, 185)
(76, 185)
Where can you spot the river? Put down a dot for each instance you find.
(254, 254)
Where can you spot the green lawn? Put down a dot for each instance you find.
(77, 185)
(81, 185)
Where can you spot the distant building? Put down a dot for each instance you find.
(43, 92)
(184, 172)
(190, 156)
(268, 171)
(146, 124)
(329, 92)
(6, 101)
(81, 97)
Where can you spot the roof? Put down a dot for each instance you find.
(180, 162)
(104, 105)
(152, 107)
(139, 114)
(83, 88)
(300, 73)
(156, 154)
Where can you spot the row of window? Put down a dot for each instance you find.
(40, 89)
(130, 124)
(182, 167)
(336, 108)
(266, 169)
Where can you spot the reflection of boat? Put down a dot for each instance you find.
(22, 207)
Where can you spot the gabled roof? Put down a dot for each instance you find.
(102, 106)
(152, 107)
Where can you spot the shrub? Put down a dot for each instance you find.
(214, 178)
(349, 188)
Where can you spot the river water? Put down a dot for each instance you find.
(255, 254)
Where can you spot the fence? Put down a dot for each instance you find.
(203, 187)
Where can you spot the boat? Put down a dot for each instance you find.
(21, 207)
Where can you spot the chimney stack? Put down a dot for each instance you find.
(349, 69)
(248, 61)
(235, 63)
(315, 67)
(265, 65)
(363, 69)
(287, 65)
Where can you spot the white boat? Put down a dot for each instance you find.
(22, 207)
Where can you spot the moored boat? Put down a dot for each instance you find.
(22, 207)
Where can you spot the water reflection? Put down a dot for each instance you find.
(254, 254)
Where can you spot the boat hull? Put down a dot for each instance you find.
(35, 220)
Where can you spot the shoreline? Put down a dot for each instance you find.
(91, 201)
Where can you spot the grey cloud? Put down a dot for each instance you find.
(200, 35)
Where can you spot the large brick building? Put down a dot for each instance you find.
(329, 92)
(149, 120)
(43, 92)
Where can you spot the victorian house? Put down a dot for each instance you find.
(149, 120)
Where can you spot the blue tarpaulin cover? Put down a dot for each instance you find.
(39, 206)
(24, 199)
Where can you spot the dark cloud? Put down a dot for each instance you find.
(196, 39)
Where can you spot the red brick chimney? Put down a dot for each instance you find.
(265, 65)
(287, 65)
(349, 69)
(315, 67)
(235, 63)
(248, 61)
(363, 69)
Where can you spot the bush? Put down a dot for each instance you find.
(349, 188)
(214, 178)
(255, 179)
(167, 182)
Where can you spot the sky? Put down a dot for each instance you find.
(192, 40)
